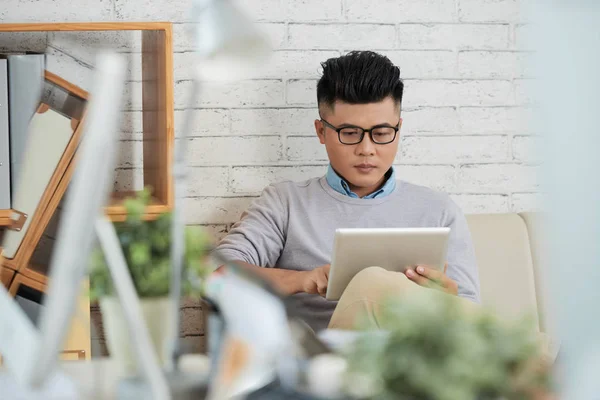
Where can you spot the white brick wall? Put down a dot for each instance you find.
(452, 149)
(50, 10)
(488, 10)
(465, 108)
(453, 36)
(401, 10)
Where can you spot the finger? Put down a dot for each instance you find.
(326, 269)
(452, 287)
(322, 282)
(322, 286)
(323, 275)
(436, 278)
(312, 288)
(430, 273)
(418, 279)
(445, 268)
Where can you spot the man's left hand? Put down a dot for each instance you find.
(432, 278)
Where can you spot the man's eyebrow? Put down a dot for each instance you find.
(385, 124)
(346, 125)
(381, 125)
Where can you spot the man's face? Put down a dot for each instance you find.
(362, 165)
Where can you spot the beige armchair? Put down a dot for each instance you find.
(509, 251)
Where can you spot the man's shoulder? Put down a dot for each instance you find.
(292, 187)
(425, 196)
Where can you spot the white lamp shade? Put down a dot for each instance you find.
(228, 43)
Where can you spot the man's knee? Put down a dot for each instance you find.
(370, 273)
(377, 281)
(378, 274)
(364, 295)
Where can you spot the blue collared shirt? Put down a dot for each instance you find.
(340, 185)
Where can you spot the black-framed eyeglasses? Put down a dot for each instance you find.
(354, 134)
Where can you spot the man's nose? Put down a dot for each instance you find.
(366, 147)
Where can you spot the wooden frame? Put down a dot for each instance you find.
(158, 140)
(55, 189)
(12, 219)
(21, 280)
(6, 218)
(157, 106)
(6, 276)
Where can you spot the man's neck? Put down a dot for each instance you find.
(343, 186)
(362, 192)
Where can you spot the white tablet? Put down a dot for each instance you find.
(394, 249)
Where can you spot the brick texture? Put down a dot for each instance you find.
(521, 202)
(465, 111)
(347, 36)
(55, 10)
(488, 10)
(401, 10)
(453, 150)
(453, 36)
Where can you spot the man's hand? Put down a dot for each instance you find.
(291, 282)
(315, 281)
(431, 278)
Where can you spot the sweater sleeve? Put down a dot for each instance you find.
(258, 238)
(462, 265)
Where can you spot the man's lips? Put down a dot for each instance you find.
(365, 167)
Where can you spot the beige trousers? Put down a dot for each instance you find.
(368, 290)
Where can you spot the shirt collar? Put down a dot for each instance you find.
(340, 185)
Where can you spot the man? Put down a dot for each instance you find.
(287, 234)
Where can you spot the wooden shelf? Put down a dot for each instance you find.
(6, 218)
(6, 276)
(157, 106)
(12, 219)
(115, 209)
(158, 138)
(86, 26)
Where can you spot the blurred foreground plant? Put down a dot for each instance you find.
(147, 249)
(438, 350)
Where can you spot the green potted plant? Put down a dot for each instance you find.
(435, 350)
(146, 246)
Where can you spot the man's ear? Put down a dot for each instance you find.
(400, 128)
(320, 129)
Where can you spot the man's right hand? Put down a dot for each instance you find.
(291, 282)
(315, 281)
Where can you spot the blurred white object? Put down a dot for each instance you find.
(228, 43)
(325, 376)
(566, 40)
(139, 337)
(58, 386)
(259, 319)
(88, 193)
(31, 354)
(117, 327)
(338, 339)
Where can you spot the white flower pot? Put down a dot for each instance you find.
(156, 314)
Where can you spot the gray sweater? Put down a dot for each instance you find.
(292, 226)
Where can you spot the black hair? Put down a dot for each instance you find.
(359, 77)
